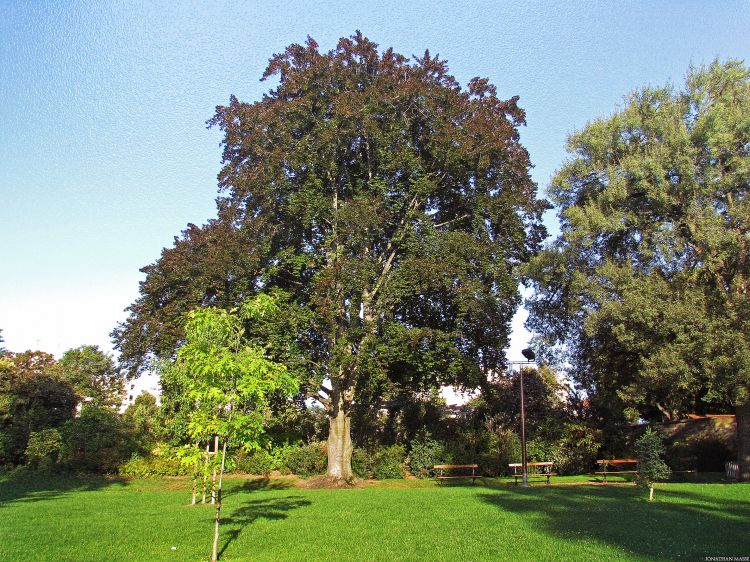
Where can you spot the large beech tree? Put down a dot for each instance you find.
(385, 205)
(647, 286)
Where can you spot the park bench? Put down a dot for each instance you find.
(616, 466)
(533, 470)
(441, 469)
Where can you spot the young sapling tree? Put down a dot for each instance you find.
(651, 466)
(228, 382)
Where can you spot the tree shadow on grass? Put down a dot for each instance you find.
(679, 524)
(266, 483)
(256, 485)
(26, 486)
(250, 511)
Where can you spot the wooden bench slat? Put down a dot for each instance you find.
(451, 477)
(440, 467)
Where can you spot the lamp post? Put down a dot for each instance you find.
(528, 353)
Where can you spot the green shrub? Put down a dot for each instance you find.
(307, 460)
(503, 448)
(144, 421)
(467, 444)
(362, 463)
(257, 462)
(539, 450)
(44, 448)
(136, 466)
(96, 441)
(389, 463)
(425, 453)
(577, 449)
(163, 461)
(260, 461)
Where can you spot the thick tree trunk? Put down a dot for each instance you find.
(339, 444)
(742, 413)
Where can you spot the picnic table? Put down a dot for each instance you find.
(616, 466)
(446, 471)
(533, 470)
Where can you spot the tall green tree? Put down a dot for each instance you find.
(33, 397)
(144, 419)
(387, 206)
(542, 399)
(228, 382)
(94, 375)
(646, 289)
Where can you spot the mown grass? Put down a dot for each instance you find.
(59, 518)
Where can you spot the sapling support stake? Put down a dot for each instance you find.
(213, 474)
(215, 551)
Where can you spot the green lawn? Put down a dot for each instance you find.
(100, 520)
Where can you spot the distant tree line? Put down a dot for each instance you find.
(62, 412)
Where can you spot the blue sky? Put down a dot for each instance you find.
(104, 152)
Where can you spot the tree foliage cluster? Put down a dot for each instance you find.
(63, 413)
(645, 292)
(413, 433)
(386, 205)
(484, 431)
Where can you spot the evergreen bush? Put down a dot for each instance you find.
(651, 466)
(503, 447)
(576, 450)
(96, 441)
(152, 466)
(258, 462)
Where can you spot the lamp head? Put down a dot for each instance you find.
(529, 354)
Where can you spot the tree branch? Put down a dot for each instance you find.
(467, 215)
(413, 204)
(390, 251)
(324, 401)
